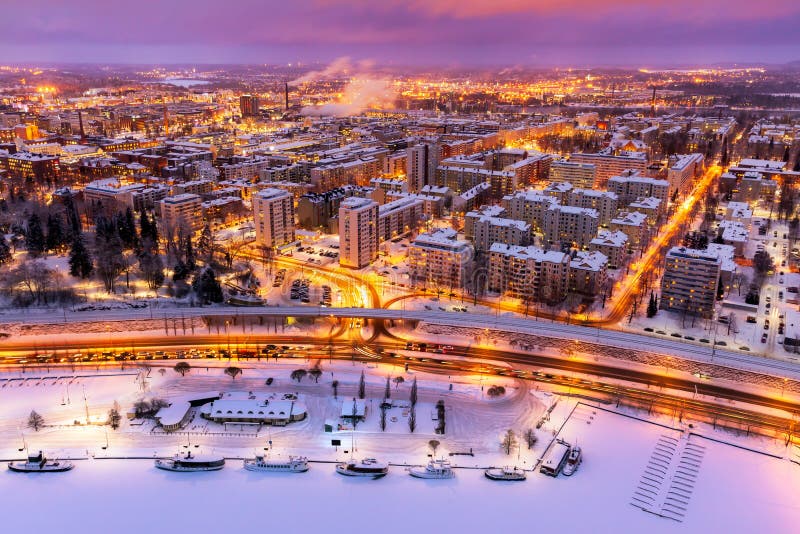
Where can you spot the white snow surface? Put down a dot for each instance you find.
(735, 490)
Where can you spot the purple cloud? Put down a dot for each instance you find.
(462, 32)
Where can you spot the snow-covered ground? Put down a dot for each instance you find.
(733, 490)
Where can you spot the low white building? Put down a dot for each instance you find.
(275, 409)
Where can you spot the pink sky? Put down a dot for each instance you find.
(463, 32)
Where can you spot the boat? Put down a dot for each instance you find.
(368, 467)
(436, 469)
(295, 464)
(37, 463)
(512, 474)
(573, 461)
(191, 463)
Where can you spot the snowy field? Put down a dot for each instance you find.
(731, 489)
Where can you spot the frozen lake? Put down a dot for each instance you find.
(735, 491)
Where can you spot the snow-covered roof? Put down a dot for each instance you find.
(529, 252)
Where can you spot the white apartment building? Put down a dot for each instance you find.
(689, 284)
(604, 202)
(273, 215)
(483, 228)
(570, 225)
(438, 259)
(631, 186)
(528, 273)
(608, 165)
(634, 225)
(581, 175)
(613, 245)
(358, 232)
(181, 211)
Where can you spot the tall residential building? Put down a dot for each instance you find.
(608, 165)
(358, 232)
(181, 211)
(248, 105)
(690, 281)
(273, 214)
(683, 170)
(439, 260)
(578, 174)
(421, 163)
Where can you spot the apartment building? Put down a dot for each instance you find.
(400, 217)
(358, 232)
(181, 211)
(485, 227)
(438, 259)
(613, 245)
(273, 215)
(529, 206)
(604, 202)
(588, 273)
(631, 186)
(608, 164)
(683, 170)
(528, 273)
(689, 284)
(634, 225)
(570, 226)
(582, 175)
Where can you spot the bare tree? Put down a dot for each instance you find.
(182, 368)
(315, 373)
(362, 386)
(530, 437)
(335, 386)
(397, 381)
(114, 417)
(298, 375)
(434, 444)
(509, 441)
(233, 372)
(35, 421)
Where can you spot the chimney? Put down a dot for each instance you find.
(80, 123)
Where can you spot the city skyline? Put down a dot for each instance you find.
(440, 32)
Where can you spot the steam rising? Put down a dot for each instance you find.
(362, 91)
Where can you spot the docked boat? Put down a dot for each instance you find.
(573, 461)
(37, 463)
(436, 469)
(187, 462)
(512, 474)
(295, 464)
(368, 467)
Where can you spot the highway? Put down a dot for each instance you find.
(500, 323)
